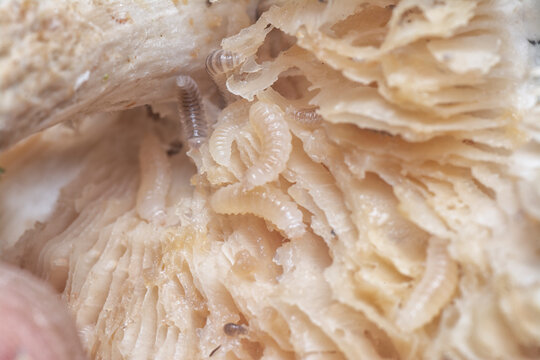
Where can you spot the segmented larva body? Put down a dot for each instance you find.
(434, 290)
(306, 116)
(221, 62)
(273, 132)
(191, 111)
(228, 126)
(221, 141)
(218, 64)
(155, 173)
(267, 202)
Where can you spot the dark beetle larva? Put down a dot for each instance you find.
(218, 64)
(232, 329)
(191, 111)
(306, 116)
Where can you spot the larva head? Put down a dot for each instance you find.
(251, 180)
(185, 82)
(196, 142)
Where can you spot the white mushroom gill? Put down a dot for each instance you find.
(388, 206)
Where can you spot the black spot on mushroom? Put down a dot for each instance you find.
(214, 351)
(232, 329)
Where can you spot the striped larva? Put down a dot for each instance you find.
(221, 141)
(273, 132)
(218, 64)
(155, 180)
(305, 116)
(221, 62)
(191, 111)
(227, 128)
(434, 290)
(267, 202)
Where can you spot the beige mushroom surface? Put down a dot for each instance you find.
(369, 188)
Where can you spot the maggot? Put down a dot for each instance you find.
(218, 64)
(268, 202)
(155, 171)
(305, 116)
(191, 111)
(269, 124)
(434, 290)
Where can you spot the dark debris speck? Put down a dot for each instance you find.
(214, 351)
(174, 148)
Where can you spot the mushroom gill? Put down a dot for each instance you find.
(403, 223)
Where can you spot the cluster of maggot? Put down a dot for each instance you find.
(220, 63)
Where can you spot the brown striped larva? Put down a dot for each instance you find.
(191, 111)
(273, 132)
(434, 290)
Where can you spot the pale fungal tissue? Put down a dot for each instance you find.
(295, 179)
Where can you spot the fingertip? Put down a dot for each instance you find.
(34, 321)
